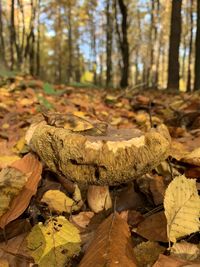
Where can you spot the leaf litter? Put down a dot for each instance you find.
(160, 205)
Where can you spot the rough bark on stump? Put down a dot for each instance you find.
(118, 156)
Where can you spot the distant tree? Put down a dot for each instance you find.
(69, 41)
(2, 42)
(197, 48)
(109, 37)
(122, 33)
(12, 34)
(38, 41)
(175, 38)
(190, 48)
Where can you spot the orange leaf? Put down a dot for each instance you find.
(111, 245)
(32, 167)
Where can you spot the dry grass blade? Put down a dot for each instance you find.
(111, 245)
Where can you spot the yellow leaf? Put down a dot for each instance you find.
(5, 126)
(182, 207)
(54, 243)
(11, 183)
(7, 160)
(193, 157)
(4, 263)
(20, 146)
(57, 201)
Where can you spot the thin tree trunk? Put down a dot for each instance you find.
(158, 36)
(59, 44)
(124, 45)
(175, 38)
(69, 69)
(190, 48)
(32, 41)
(2, 44)
(137, 48)
(19, 47)
(109, 30)
(12, 34)
(38, 42)
(78, 72)
(152, 39)
(197, 48)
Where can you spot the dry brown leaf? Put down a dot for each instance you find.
(32, 167)
(157, 188)
(129, 199)
(169, 261)
(154, 227)
(82, 219)
(15, 228)
(14, 251)
(111, 245)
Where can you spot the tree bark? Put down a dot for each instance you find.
(109, 30)
(70, 54)
(12, 34)
(2, 43)
(38, 42)
(190, 48)
(197, 48)
(123, 40)
(175, 38)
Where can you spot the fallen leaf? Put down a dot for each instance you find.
(193, 157)
(58, 201)
(185, 251)
(15, 253)
(7, 160)
(54, 243)
(182, 207)
(82, 219)
(111, 245)
(157, 188)
(153, 228)
(169, 261)
(30, 166)
(4, 263)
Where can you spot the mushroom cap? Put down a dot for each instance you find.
(118, 156)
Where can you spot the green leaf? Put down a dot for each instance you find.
(44, 102)
(49, 90)
(54, 243)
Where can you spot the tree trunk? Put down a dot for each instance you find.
(2, 44)
(19, 44)
(70, 66)
(109, 30)
(175, 38)
(124, 45)
(38, 42)
(190, 48)
(12, 34)
(197, 47)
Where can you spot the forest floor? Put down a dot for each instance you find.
(23, 97)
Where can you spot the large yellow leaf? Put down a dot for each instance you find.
(58, 201)
(182, 207)
(55, 243)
